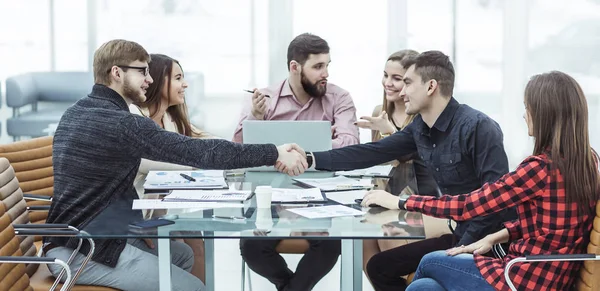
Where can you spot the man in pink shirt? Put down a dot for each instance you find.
(305, 94)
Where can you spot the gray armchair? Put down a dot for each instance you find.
(47, 94)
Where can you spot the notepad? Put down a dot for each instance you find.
(282, 195)
(339, 183)
(204, 179)
(382, 171)
(207, 196)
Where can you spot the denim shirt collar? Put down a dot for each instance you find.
(444, 119)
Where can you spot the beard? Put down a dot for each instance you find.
(132, 93)
(314, 89)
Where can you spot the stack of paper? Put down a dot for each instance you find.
(207, 196)
(326, 211)
(297, 195)
(375, 171)
(339, 183)
(203, 179)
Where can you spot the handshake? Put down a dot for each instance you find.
(291, 159)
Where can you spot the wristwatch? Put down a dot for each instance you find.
(309, 159)
(402, 201)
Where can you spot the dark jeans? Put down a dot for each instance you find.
(261, 257)
(386, 268)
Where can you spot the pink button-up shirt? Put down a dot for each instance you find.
(336, 106)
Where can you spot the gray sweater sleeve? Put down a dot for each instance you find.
(145, 139)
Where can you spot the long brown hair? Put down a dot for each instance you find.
(401, 57)
(559, 115)
(161, 67)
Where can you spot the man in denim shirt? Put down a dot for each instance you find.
(462, 148)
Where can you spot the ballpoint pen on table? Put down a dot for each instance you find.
(250, 91)
(228, 217)
(189, 178)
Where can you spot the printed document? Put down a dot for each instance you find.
(381, 171)
(339, 183)
(207, 195)
(297, 195)
(326, 211)
(199, 179)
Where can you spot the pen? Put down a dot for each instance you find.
(189, 178)
(228, 217)
(250, 91)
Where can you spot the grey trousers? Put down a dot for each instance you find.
(137, 268)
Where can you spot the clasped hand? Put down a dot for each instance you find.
(480, 247)
(291, 159)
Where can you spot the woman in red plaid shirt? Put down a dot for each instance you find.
(554, 191)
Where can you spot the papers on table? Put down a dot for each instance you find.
(375, 171)
(339, 183)
(346, 197)
(159, 204)
(326, 211)
(204, 179)
(207, 196)
(281, 195)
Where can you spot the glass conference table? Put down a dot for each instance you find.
(277, 223)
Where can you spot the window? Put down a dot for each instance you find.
(25, 41)
(208, 37)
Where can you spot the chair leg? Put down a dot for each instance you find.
(243, 275)
(249, 277)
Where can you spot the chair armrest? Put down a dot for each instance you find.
(545, 258)
(21, 90)
(573, 257)
(42, 226)
(36, 197)
(26, 260)
(38, 207)
(47, 232)
(38, 260)
(59, 230)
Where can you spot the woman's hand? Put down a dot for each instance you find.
(381, 198)
(480, 247)
(380, 123)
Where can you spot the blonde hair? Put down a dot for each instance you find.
(402, 57)
(114, 53)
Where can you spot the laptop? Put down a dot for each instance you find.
(312, 136)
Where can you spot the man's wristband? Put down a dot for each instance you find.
(309, 159)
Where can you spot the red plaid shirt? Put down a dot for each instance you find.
(546, 224)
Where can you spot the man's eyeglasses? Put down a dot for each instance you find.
(143, 70)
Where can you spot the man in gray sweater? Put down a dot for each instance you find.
(97, 150)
